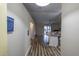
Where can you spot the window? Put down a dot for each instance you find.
(47, 29)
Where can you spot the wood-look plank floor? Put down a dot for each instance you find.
(42, 50)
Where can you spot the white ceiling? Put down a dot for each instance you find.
(50, 13)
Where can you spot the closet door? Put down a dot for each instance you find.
(3, 29)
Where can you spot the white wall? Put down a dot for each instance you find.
(18, 40)
(70, 29)
(39, 28)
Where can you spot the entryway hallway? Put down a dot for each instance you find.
(55, 37)
(36, 29)
(46, 39)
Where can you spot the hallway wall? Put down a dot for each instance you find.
(3, 30)
(70, 30)
(39, 28)
(18, 40)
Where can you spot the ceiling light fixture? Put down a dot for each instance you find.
(42, 4)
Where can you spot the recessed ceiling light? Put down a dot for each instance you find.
(42, 4)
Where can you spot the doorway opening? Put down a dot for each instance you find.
(47, 30)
